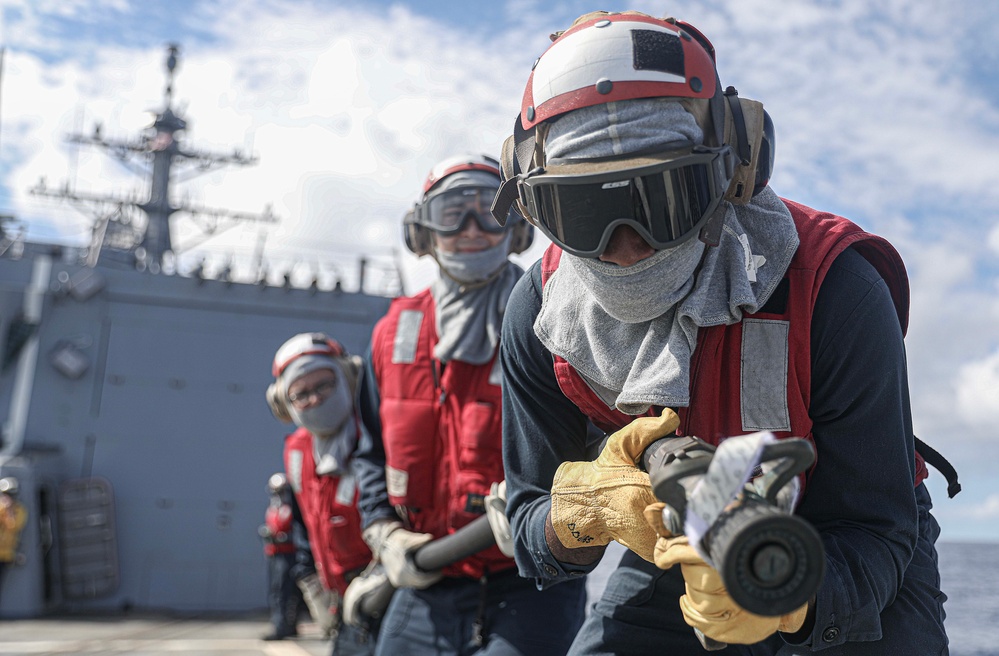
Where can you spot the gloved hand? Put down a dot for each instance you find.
(391, 543)
(707, 606)
(596, 502)
(496, 513)
(320, 603)
(367, 596)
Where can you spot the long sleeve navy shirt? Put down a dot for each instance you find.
(860, 496)
(369, 458)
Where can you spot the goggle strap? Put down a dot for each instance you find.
(504, 199)
(711, 231)
(742, 138)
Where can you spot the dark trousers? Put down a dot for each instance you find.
(503, 616)
(283, 596)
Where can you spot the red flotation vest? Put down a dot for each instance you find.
(441, 428)
(329, 510)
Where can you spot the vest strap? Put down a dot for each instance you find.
(941, 464)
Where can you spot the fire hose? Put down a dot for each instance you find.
(437, 554)
(770, 561)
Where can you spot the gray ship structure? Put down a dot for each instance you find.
(132, 398)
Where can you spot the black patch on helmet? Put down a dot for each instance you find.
(657, 51)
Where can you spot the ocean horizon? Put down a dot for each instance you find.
(969, 576)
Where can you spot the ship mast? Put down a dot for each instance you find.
(161, 156)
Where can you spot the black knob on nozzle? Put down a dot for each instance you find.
(771, 562)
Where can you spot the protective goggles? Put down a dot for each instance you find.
(665, 201)
(447, 211)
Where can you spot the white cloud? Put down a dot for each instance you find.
(993, 241)
(987, 510)
(978, 392)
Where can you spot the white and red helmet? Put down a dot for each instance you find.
(305, 344)
(457, 164)
(618, 57)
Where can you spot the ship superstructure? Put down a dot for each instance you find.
(133, 406)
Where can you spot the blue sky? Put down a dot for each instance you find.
(887, 113)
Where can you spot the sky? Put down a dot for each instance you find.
(886, 113)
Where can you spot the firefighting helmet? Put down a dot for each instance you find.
(277, 483)
(667, 197)
(459, 189)
(300, 355)
(9, 485)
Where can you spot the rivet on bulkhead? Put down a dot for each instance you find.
(604, 86)
(695, 84)
(530, 113)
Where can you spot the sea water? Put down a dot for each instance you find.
(969, 575)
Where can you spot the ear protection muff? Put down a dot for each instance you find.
(767, 152)
(275, 401)
(508, 195)
(744, 130)
(752, 134)
(521, 236)
(417, 237)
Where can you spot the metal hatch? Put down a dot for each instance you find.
(88, 543)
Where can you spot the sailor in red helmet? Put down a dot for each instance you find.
(683, 297)
(315, 387)
(430, 462)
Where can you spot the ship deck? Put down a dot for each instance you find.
(155, 635)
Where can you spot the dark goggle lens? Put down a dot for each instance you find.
(448, 211)
(663, 203)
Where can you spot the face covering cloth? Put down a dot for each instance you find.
(469, 318)
(330, 422)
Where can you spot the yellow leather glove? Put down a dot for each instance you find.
(707, 606)
(596, 502)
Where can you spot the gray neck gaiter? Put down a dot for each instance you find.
(332, 453)
(469, 320)
(471, 268)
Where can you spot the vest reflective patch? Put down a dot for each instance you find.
(763, 377)
(345, 490)
(407, 333)
(396, 481)
(295, 458)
